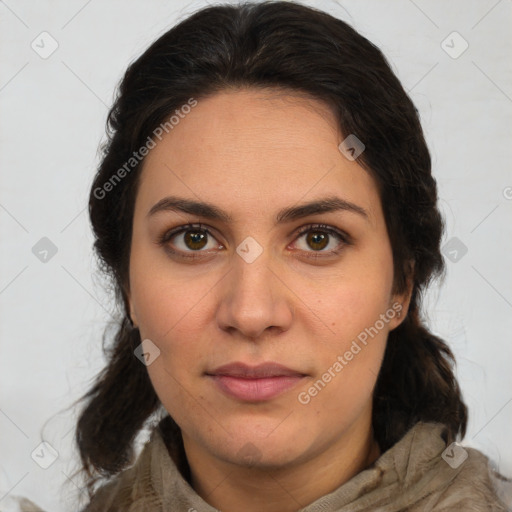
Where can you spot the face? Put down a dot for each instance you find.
(261, 270)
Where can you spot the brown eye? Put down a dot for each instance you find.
(317, 240)
(321, 239)
(195, 240)
(189, 239)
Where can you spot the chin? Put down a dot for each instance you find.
(261, 455)
(263, 445)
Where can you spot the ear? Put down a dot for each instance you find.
(399, 302)
(130, 308)
(133, 315)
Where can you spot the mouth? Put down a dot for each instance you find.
(254, 383)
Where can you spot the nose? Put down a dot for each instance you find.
(254, 299)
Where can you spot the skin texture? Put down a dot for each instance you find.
(253, 153)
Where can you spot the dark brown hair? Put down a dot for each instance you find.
(292, 47)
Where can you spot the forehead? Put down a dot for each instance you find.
(261, 147)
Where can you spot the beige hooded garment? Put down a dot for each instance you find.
(415, 475)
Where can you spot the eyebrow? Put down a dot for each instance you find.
(212, 212)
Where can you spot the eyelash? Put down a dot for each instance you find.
(343, 238)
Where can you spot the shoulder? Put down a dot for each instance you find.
(18, 504)
(450, 477)
(476, 484)
(132, 490)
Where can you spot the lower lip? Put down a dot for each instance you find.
(255, 390)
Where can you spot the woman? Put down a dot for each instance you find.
(266, 210)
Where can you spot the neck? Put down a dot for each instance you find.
(231, 487)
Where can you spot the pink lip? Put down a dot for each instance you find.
(254, 383)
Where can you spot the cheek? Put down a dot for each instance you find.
(173, 310)
(164, 298)
(356, 300)
(171, 313)
(349, 362)
(173, 319)
(358, 312)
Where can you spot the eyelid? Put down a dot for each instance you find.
(167, 235)
(342, 236)
(324, 227)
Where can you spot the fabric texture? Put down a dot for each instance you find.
(411, 476)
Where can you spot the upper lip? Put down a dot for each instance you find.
(260, 371)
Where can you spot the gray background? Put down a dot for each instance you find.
(53, 112)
